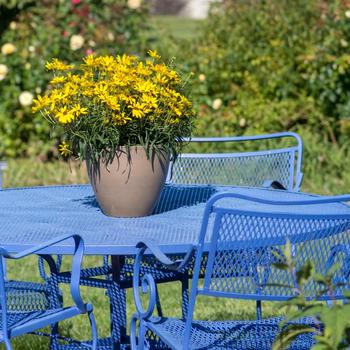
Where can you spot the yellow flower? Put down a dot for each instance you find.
(162, 79)
(58, 80)
(127, 99)
(126, 60)
(121, 118)
(138, 110)
(154, 54)
(112, 103)
(177, 110)
(64, 149)
(40, 103)
(56, 64)
(56, 96)
(64, 115)
(144, 86)
(120, 93)
(89, 60)
(70, 89)
(107, 62)
(149, 100)
(79, 110)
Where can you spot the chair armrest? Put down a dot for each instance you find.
(38, 248)
(76, 263)
(147, 281)
(174, 265)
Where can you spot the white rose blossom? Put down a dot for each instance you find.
(201, 77)
(110, 36)
(8, 48)
(217, 103)
(13, 25)
(3, 71)
(242, 122)
(134, 4)
(92, 43)
(25, 98)
(76, 42)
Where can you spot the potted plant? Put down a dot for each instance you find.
(124, 117)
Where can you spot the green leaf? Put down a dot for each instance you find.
(304, 273)
(336, 321)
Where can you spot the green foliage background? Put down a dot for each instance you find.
(275, 65)
(41, 30)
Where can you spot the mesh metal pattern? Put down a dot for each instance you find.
(237, 169)
(17, 319)
(26, 296)
(235, 335)
(248, 245)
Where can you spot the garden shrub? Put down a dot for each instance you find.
(33, 32)
(274, 65)
(273, 50)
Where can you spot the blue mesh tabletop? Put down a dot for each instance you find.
(29, 216)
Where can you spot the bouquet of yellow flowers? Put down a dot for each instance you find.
(111, 102)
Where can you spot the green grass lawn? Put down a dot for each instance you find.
(177, 27)
(30, 172)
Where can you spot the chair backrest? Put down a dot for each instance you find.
(246, 168)
(245, 244)
(245, 238)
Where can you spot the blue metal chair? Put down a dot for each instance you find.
(243, 247)
(257, 168)
(32, 296)
(18, 321)
(27, 296)
(274, 166)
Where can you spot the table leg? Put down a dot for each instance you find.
(118, 303)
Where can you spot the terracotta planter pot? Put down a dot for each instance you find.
(129, 187)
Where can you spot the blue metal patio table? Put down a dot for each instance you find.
(29, 216)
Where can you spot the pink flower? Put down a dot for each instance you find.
(76, 2)
(89, 52)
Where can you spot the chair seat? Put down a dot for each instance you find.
(219, 335)
(17, 321)
(27, 296)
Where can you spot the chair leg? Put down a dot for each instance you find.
(137, 333)
(8, 344)
(56, 301)
(185, 294)
(93, 330)
(117, 297)
(158, 304)
(258, 310)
